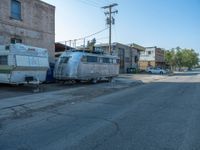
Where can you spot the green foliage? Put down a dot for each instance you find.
(178, 57)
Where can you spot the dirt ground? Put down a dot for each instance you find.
(8, 91)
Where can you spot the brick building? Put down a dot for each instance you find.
(31, 22)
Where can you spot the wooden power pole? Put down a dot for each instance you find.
(110, 21)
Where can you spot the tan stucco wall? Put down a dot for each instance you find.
(144, 64)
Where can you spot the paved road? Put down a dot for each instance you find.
(164, 115)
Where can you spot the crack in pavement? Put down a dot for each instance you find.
(113, 123)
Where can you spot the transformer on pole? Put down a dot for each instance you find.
(110, 20)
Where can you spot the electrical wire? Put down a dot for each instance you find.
(88, 3)
(95, 33)
(82, 38)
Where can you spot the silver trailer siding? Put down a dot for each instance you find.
(85, 66)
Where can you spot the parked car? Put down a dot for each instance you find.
(156, 71)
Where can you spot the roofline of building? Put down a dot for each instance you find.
(47, 3)
(113, 44)
(138, 47)
(151, 47)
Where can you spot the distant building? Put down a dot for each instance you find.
(152, 56)
(31, 22)
(128, 54)
(60, 48)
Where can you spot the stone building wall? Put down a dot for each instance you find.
(36, 26)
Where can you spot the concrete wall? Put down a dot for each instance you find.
(152, 56)
(159, 55)
(36, 27)
(148, 54)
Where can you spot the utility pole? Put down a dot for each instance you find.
(110, 21)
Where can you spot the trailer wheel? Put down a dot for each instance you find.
(78, 81)
(110, 79)
(94, 81)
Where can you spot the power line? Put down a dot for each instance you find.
(95, 2)
(88, 3)
(95, 33)
(100, 3)
(74, 42)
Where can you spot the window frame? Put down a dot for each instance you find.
(15, 14)
(15, 40)
(92, 59)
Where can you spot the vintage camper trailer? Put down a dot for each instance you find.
(80, 65)
(21, 64)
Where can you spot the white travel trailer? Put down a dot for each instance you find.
(21, 64)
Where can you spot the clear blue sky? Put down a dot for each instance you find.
(163, 23)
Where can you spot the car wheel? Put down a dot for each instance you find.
(161, 72)
(150, 72)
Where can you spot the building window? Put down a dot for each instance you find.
(136, 59)
(3, 60)
(149, 52)
(15, 10)
(15, 40)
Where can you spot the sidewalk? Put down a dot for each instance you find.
(145, 78)
(16, 106)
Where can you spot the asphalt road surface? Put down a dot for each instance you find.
(164, 115)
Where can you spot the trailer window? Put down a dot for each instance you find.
(64, 59)
(106, 60)
(3, 60)
(115, 61)
(91, 59)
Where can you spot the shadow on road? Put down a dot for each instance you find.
(7, 90)
(186, 74)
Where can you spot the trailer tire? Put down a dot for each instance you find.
(94, 81)
(110, 79)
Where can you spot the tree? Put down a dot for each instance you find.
(178, 57)
(190, 58)
(169, 58)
